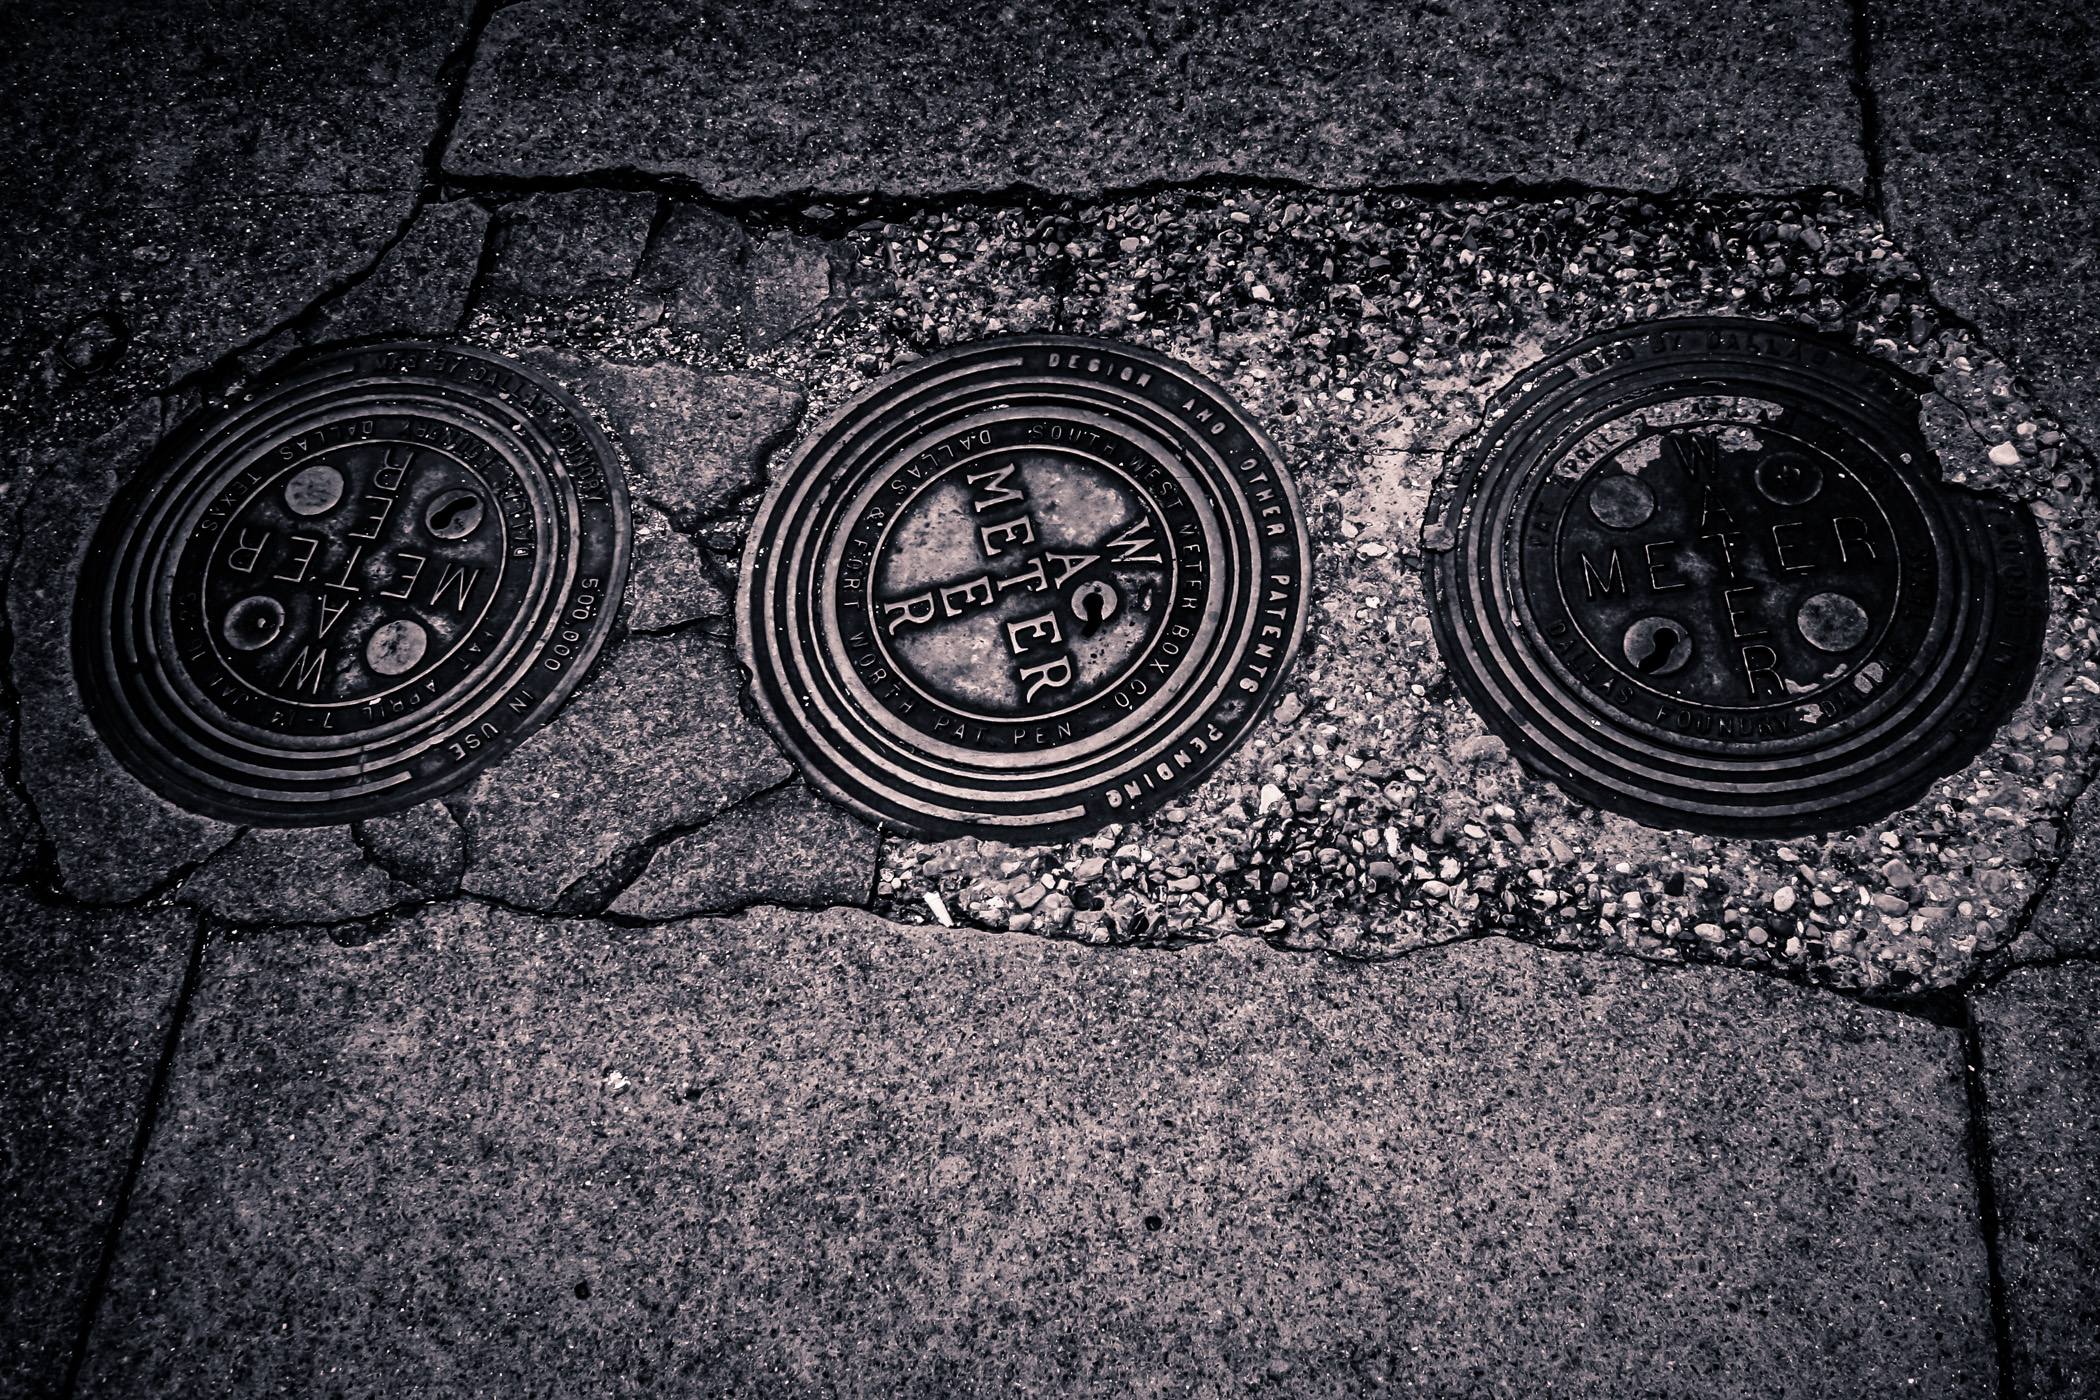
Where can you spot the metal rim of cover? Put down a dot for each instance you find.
(1703, 572)
(1022, 588)
(353, 588)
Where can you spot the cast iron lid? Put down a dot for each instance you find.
(1703, 572)
(360, 584)
(1022, 588)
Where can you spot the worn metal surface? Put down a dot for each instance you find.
(354, 588)
(1023, 587)
(1704, 572)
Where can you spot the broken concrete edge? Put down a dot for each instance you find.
(823, 211)
(686, 461)
(372, 930)
(77, 788)
(223, 369)
(708, 559)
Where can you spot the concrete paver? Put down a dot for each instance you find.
(493, 1153)
(776, 101)
(85, 1005)
(2040, 1034)
(1990, 143)
(201, 175)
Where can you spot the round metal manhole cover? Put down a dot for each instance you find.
(351, 590)
(1023, 588)
(1703, 572)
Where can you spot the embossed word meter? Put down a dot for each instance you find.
(1027, 586)
(1704, 572)
(354, 588)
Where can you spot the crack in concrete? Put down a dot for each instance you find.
(786, 209)
(1515, 928)
(452, 77)
(634, 861)
(1948, 1011)
(2076, 957)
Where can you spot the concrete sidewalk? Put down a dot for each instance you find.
(581, 1081)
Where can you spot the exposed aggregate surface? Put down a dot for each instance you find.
(1373, 813)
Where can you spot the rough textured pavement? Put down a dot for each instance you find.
(201, 175)
(2040, 1042)
(86, 1006)
(837, 1155)
(1990, 151)
(837, 98)
(1465, 1090)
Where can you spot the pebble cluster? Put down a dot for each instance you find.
(1373, 813)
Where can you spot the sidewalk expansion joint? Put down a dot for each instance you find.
(1979, 1147)
(148, 1118)
(1861, 80)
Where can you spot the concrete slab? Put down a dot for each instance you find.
(824, 1154)
(776, 100)
(1990, 144)
(85, 1005)
(2040, 1030)
(198, 174)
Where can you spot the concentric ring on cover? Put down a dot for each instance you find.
(353, 589)
(1023, 588)
(1704, 572)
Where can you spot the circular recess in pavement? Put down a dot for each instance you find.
(1704, 572)
(354, 588)
(1023, 588)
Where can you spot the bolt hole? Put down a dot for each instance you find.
(1096, 614)
(1665, 640)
